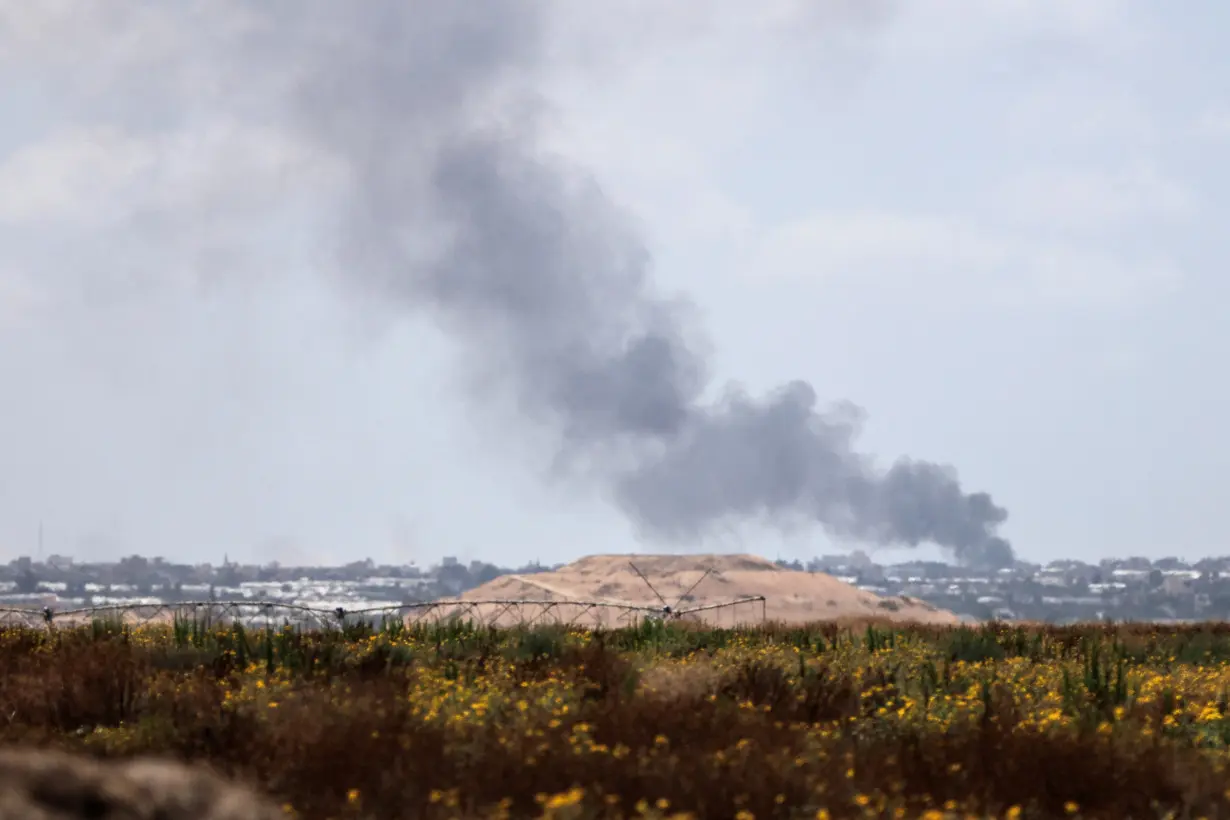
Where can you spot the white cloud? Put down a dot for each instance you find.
(107, 210)
(598, 31)
(925, 255)
(102, 175)
(19, 298)
(1083, 199)
(78, 176)
(99, 42)
(1213, 123)
(839, 243)
(1081, 114)
(1075, 275)
(944, 28)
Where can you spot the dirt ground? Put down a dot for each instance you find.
(682, 583)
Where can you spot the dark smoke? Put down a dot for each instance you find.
(456, 209)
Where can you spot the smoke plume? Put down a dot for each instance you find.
(455, 208)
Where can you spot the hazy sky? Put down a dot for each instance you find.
(993, 225)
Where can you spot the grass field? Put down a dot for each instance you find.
(654, 721)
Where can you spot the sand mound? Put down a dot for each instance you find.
(790, 596)
(44, 785)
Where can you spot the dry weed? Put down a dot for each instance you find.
(38, 784)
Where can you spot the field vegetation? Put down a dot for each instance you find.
(658, 720)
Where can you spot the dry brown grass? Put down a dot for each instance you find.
(714, 724)
(38, 784)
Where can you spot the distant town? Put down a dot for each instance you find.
(1140, 589)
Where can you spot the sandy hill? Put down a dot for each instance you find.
(791, 596)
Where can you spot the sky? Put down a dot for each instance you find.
(315, 282)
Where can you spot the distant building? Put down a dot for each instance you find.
(1177, 585)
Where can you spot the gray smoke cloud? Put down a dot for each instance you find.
(461, 213)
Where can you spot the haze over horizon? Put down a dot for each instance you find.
(314, 283)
